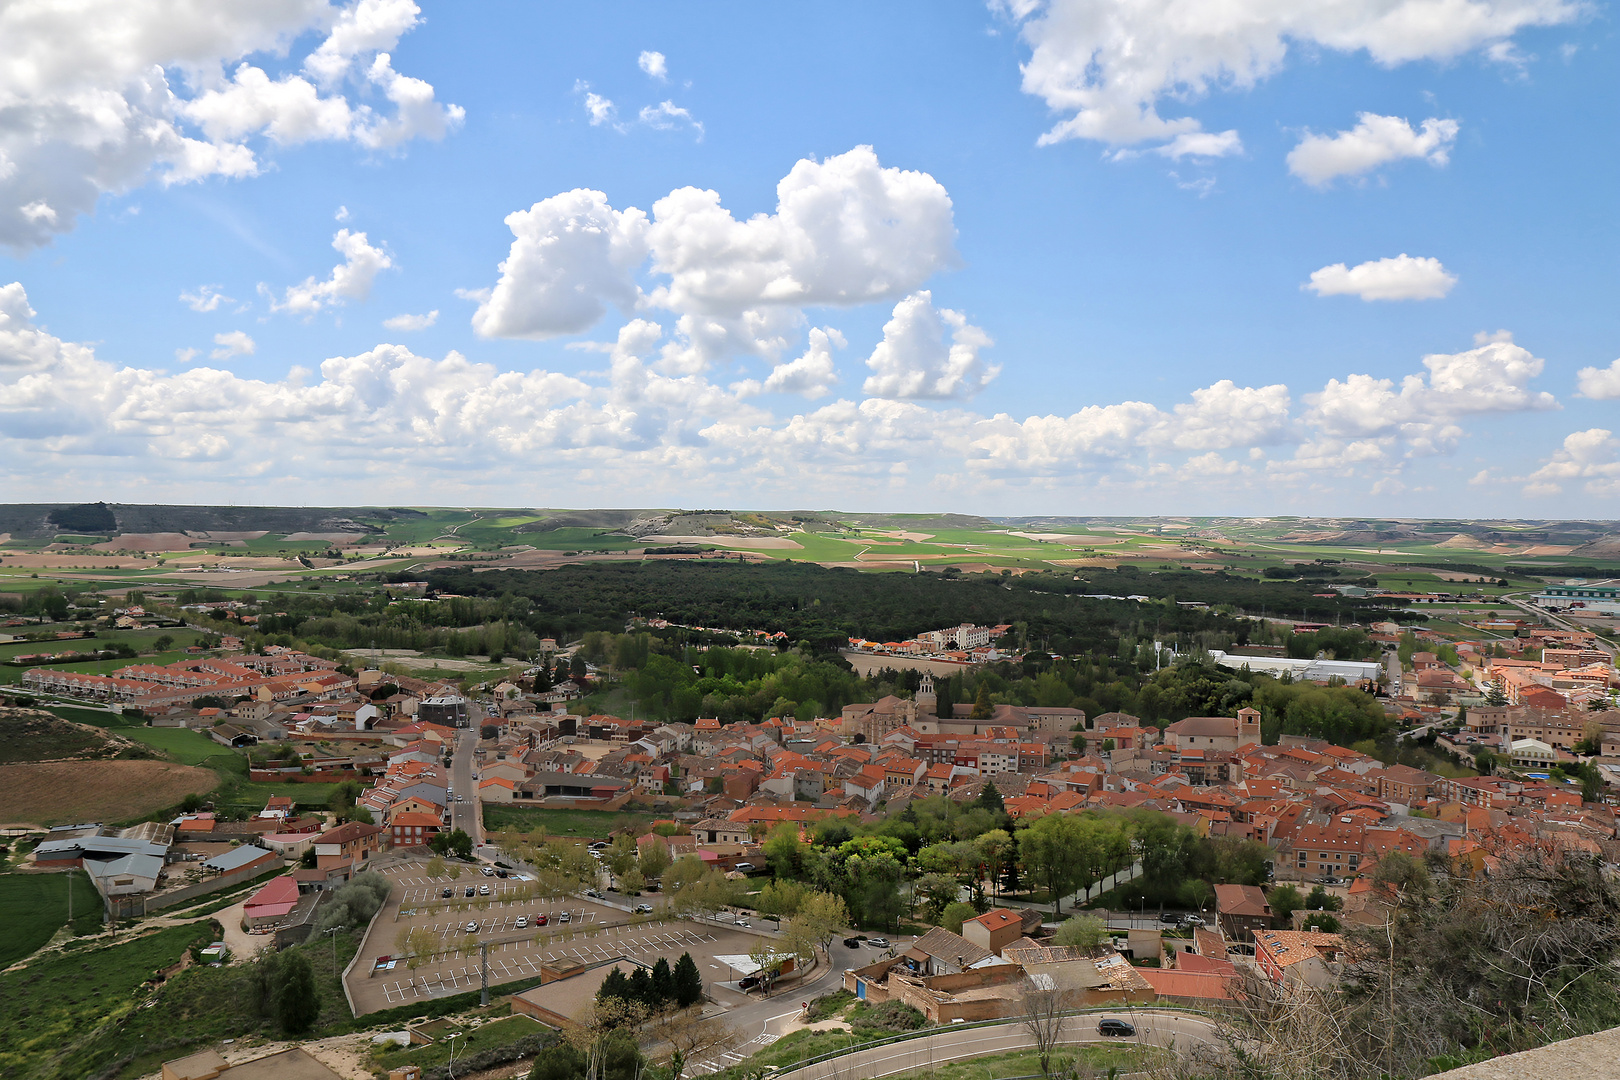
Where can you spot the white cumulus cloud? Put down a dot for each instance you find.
(349, 280)
(928, 352)
(598, 109)
(1602, 384)
(1105, 67)
(1374, 141)
(1202, 144)
(812, 375)
(1592, 455)
(846, 231)
(230, 345)
(103, 96)
(1401, 278)
(412, 322)
(654, 65)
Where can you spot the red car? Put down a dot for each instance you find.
(541, 920)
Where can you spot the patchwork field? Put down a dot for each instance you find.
(55, 793)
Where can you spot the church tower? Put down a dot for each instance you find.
(927, 700)
(1248, 728)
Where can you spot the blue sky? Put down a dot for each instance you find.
(919, 256)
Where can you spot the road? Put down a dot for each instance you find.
(1154, 1027)
(466, 814)
(1561, 623)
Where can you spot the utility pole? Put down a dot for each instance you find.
(483, 990)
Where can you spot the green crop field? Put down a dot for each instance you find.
(184, 745)
(33, 907)
(592, 824)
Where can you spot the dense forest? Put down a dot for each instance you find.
(828, 604)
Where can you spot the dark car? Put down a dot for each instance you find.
(472, 890)
(500, 873)
(852, 943)
(1115, 1027)
(1170, 917)
(447, 893)
(748, 982)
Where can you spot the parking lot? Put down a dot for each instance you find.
(591, 934)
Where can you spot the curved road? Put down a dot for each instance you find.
(1154, 1028)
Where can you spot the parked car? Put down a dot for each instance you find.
(598, 845)
(643, 909)
(471, 891)
(541, 920)
(500, 873)
(852, 943)
(483, 890)
(593, 894)
(472, 928)
(1170, 917)
(486, 871)
(742, 922)
(745, 868)
(1115, 1027)
(564, 917)
(878, 942)
(447, 893)
(748, 982)
(522, 922)
(1335, 881)
(1192, 920)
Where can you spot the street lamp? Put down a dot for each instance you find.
(331, 934)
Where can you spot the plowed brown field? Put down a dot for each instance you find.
(63, 792)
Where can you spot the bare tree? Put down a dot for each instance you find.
(688, 1036)
(1042, 1008)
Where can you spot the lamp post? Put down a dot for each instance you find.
(331, 935)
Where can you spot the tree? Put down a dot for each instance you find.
(294, 999)
(1494, 696)
(435, 867)
(1079, 742)
(785, 853)
(688, 981)
(632, 881)
(654, 859)
(460, 843)
(982, 709)
(663, 981)
(488, 732)
(1284, 901)
(990, 799)
(1042, 1011)
(823, 916)
(936, 891)
(560, 1060)
(622, 856)
(993, 848)
(1053, 851)
(955, 914)
(1081, 932)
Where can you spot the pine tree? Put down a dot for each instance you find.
(991, 799)
(663, 983)
(641, 988)
(615, 986)
(981, 704)
(296, 1002)
(688, 981)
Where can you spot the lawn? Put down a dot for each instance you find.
(33, 907)
(596, 824)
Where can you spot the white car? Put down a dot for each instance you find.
(522, 921)
(483, 890)
(564, 917)
(472, 928)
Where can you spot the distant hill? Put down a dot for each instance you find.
(39, 520)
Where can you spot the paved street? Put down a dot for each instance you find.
(1153, 1027)
(465, 815)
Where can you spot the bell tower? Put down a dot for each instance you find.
(1248, 727)
(927, 700)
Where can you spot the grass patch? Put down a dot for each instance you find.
(476, 1041)
(182, 744)
(59, 1010)
(596, 824)
(33, 907)
(1124, 1057)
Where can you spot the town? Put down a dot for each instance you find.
(999, 845)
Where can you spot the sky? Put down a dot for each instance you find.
(1024, 257)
